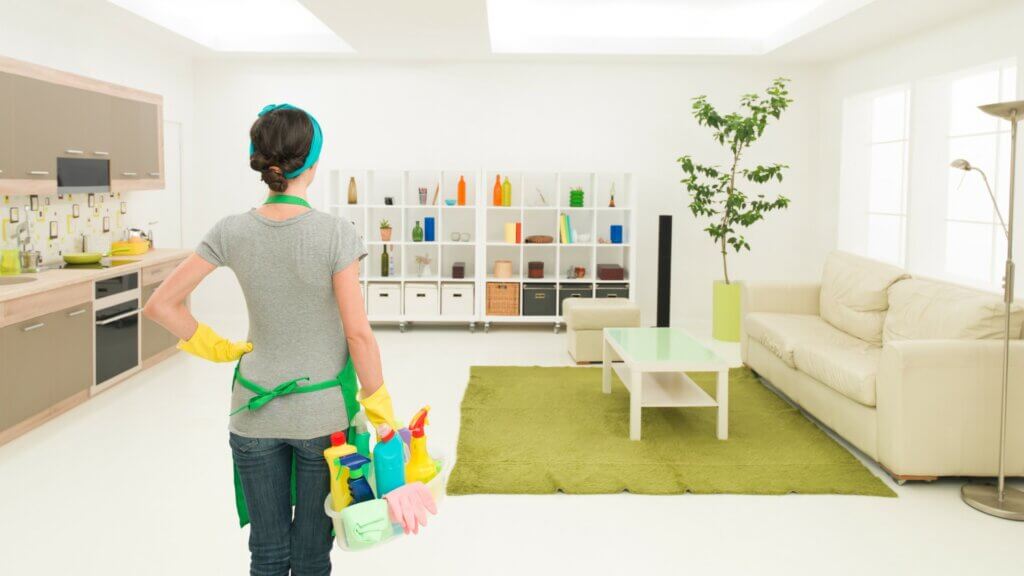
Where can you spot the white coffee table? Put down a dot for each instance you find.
(653, 367)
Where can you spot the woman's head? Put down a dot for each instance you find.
(283, 138)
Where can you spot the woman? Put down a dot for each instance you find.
(299, 271)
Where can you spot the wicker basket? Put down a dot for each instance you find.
(503, 298)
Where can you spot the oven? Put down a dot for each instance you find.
(117, 326)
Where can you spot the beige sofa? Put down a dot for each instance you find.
(908, 370)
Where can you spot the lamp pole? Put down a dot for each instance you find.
(999, 500)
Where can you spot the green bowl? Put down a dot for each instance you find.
(83, 257)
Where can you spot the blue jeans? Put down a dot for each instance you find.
(277, 541)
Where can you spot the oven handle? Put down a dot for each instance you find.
(118, 317)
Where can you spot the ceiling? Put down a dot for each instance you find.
(410, 30)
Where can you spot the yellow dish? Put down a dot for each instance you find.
(83, 257)
(130, 247)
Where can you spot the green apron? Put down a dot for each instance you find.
(346, 380)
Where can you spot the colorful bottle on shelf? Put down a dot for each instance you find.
(340, 494)
(388, 469)
(506, 193)
(497, 190)
(611, 201)
(391, 262)
(353, 197)
(384, 264)
(421, 467)
(462, 191)
(417, 232)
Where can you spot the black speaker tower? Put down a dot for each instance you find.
(664, 269)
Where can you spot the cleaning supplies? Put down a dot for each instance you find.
(388, 469)
(340, 494)
(358, 487)
(421, 467)
(361, 439)
(366, 524)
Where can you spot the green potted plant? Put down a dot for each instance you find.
(714, 193)
(385, 231)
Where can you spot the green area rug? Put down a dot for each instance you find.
(541, 430)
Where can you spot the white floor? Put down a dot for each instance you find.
(137, 482)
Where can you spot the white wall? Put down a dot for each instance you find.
(988, 37)
(99, 40)
(533, 116)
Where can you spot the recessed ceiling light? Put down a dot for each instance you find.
(656, 26)
(241, 25)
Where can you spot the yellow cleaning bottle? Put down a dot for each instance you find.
(340, 494)
(421, 467)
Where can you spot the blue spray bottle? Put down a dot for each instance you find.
(388, 464)
(357, 484)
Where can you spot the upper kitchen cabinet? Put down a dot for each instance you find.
(37, 129)
(46, 114)
(137, 156)
(6, 128)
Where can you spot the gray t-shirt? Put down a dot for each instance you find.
(285, 269)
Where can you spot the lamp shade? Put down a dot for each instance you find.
(1005, 110)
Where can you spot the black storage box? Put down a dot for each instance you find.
(613, 290)
(573, 291)
(538, 299)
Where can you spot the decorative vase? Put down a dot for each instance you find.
(417, 232)
(352, 196)
(385, 234)
(725, 323)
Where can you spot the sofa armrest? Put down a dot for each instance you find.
(786, 298)
(938, 404)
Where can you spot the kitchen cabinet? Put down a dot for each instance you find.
(125, 162)
(36, 128)
(6, 128)
(74, 334)
(155, 338)
(46, 114)
(45, 360)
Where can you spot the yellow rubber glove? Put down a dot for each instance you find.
(208, 345)
(378, 408)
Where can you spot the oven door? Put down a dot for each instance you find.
(117, 340)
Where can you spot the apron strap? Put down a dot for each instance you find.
(285, 388)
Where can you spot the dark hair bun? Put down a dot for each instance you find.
(281, 141)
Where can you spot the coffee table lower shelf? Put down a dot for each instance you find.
(666, 389)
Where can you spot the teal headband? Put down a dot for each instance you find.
(314, 147)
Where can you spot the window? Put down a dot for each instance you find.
(887, 183)
(975, 242)
(873, 187)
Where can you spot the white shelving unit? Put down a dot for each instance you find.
(538, 199)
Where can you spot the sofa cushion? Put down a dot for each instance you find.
(598, 313)
(782, 333)
(854, 294)
(849, 370)
(921, 309)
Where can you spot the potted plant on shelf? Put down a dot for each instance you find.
(385, 231)
(714, 194)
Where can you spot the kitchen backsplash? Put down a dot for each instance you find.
(57, 221)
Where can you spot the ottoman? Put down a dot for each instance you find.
(585, 318)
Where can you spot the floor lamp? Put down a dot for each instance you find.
(999, 500)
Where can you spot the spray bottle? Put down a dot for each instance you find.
(388, 470)
(421, 467)
(340, 495)
(361, 439)
(357, 484)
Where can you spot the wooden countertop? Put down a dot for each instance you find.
(58, 278)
